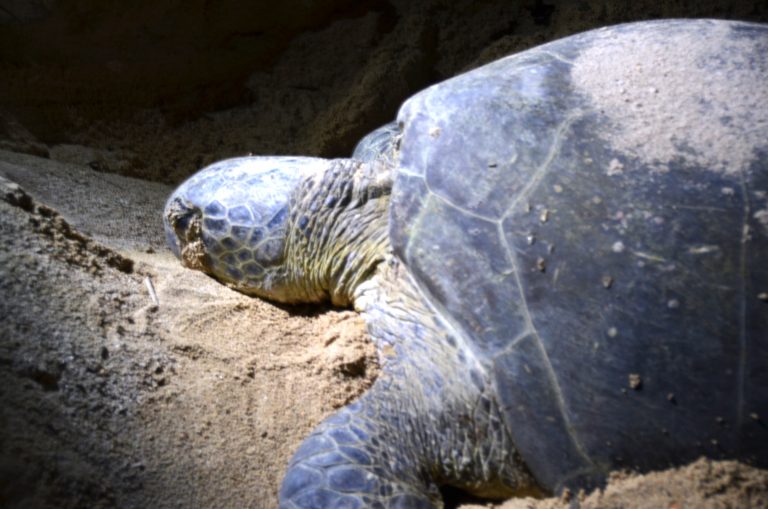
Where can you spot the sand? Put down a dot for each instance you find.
(111, 399)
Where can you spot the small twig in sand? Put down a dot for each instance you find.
(151, 290)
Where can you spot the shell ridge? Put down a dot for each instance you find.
(556, 56)
(460, 333)
(458, 207)
(531, 327)
(545, 165)
(742, 359)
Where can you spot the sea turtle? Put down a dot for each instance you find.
(564, 267)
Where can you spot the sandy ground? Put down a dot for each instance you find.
(196, 399)
(110, 399)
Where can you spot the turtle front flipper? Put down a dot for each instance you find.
(429, 420)
(350, 461)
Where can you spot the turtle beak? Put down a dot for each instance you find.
(178, 219)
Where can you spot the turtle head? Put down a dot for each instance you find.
(231, 220)
(276, 226)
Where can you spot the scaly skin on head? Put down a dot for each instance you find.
(431, 417)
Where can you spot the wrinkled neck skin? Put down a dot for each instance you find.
(338, 231)
(431, 417)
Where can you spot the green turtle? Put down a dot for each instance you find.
(561, 256)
